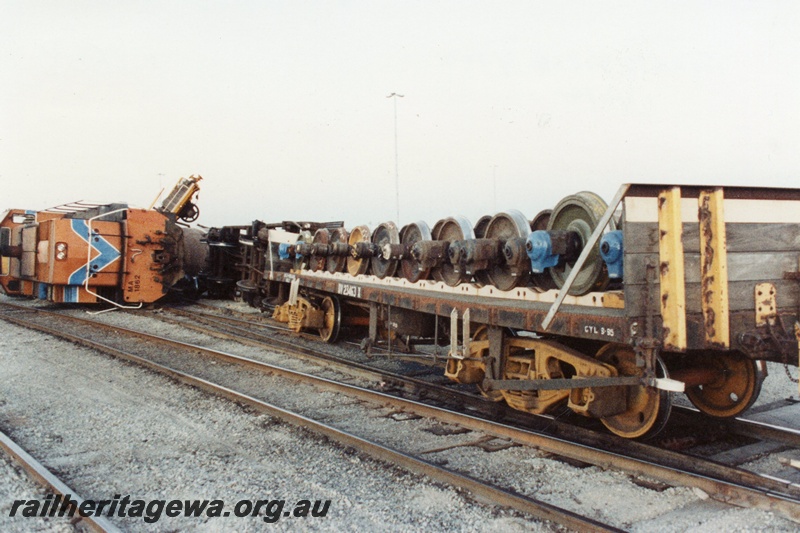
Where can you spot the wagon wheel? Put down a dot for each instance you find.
(357, 266)
(317, 262)
(410, 235)
(384, 234)
(451, 229)
(581, 213)
(504, 226)
(481, 334)
(544, 281)
(332, 319)
(482, 276)
(733, 391)
(300, 260)
(337, 263)
(648, 408)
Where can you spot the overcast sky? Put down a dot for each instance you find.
(282, 108)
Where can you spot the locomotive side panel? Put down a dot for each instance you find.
(65, 248)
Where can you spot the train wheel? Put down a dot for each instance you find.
(736, 387)
(384, 234)
(482, 276)
(451, 229)
(503, 227)
(317, 262)
(580, 213)
(356, 266)
(332, 319)
(299, 260)
(648, 408)
(337, 263)
(480, 226)
(481, 334)
(544, 281)
(409, 236)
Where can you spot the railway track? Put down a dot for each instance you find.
(409, 461)
(247, 329)
(239, 330)
(52, 484)
(724, 483)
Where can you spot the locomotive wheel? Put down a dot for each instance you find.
(505, 226)
(482, 276)
(581, 213)
(358, 266)
(542, 282)
(317, 262)
(648, 408)
(299, 260)
(733, 391)
(333, 319)
(384, 234)
(451, 229)
(337, 263)
(409, 236)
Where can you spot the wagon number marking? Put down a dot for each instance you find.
(598, 330)
(353, 291)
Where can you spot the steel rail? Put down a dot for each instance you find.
(752, 428)
(259, 317)
(499, 496)
(729, 485)
(241, 324)
(39, 473)
(740, 425)
(410, 384)
(431, 392)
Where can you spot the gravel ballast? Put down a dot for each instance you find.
(110, 428)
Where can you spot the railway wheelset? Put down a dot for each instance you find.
(504, 251)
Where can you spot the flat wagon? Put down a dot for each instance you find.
(604, 309)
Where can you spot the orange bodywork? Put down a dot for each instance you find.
(84, 259)
(141, 280)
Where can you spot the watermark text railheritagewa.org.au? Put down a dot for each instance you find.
(152, 511)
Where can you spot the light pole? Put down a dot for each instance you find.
(395, 96)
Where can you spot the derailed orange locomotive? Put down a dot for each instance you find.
(112, 253)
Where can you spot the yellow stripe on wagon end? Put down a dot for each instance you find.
(714, 269)
(671, 269)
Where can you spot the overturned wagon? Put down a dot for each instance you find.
(602, 309)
